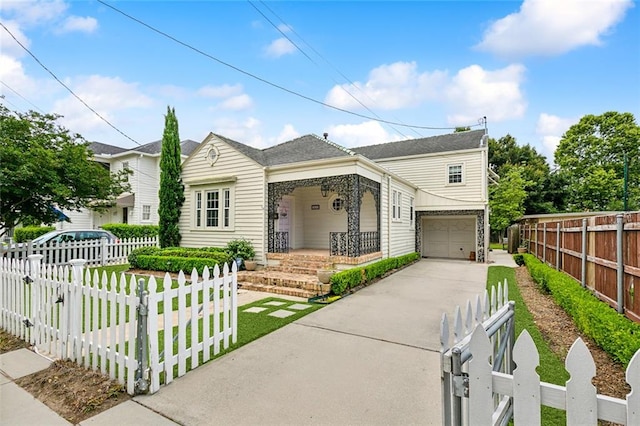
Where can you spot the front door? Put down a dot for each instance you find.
(125, 215)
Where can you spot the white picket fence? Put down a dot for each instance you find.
(70, 313)
(494, 397)
(95, 252)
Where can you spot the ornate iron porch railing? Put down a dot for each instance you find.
(281, 242)
(339, 243)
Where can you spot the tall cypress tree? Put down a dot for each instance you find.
(171, 193)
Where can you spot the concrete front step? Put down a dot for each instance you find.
(284, 279)
(289, 291)
(299, 270)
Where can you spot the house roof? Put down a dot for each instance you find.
(430, 145)
(99, 148)
(187, 146)
(304, 148)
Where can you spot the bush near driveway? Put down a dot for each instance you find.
(350, 278)
(613, 332)
(125, 231)
(28, 233)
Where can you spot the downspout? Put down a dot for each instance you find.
(265, 215)
(388, 217)
(485, 197)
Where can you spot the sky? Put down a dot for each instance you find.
(365, 72)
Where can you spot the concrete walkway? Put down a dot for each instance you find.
(371, 358)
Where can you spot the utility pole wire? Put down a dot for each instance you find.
(265, 81)
(68, 89)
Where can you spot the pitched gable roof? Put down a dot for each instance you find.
(304, 148)
(430, 145)
(100, 148)
(187, 147)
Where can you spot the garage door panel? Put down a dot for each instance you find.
(452, 238)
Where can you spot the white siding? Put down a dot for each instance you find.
(249, 203)
(430, 173)
(397, 236)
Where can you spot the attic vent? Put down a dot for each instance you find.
(326, 135)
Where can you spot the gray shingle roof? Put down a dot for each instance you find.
(100, 148)
(187, 147)
(304, 148)
(434, 144)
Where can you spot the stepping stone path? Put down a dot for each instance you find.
(280, 313)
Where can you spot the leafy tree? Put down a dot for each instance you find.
(591, 159)
(506, 200)
(43, 165)
(544, 189)
(171, 193)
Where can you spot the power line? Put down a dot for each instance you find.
(265, 81)
(325, 60)
(27, 100)
(67, 87)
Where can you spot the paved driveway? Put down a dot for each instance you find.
(371, 358)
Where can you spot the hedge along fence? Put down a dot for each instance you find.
(176, 259)
(613, 332)
(28, 233)
(350, 278)
(125, 231)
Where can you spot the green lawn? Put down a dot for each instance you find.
(551, 367)
(251, 326)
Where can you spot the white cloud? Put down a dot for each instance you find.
(475, 92)
(247, 131)
(285, 28)
(85, 24)
(550, 27)
(287, 133)
(550, 128)
(237, 103)
(280, 47)
(109, 96)
(390, 86)
(8, 44)
(224, 91)
(366, 133)
(34, 12)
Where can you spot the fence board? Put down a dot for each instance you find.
(601, 267)
(92, 319)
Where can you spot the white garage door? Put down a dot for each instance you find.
(451, 238)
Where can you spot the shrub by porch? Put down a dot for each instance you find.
(351, 278)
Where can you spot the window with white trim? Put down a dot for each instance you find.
(125, 167)
(146, 212)
(454, 172)
(213, 208)
(396, 205)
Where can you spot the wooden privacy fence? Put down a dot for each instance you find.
(95, 252)
(102, 322)
(602, 252)
(482, 387)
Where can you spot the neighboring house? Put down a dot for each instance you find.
(140, 206)
(361, 204)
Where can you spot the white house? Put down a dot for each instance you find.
(359, 205)
(140, 206)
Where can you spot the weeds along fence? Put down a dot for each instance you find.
(100, 252)
(481, 386)
(142, 335)
(601, 252)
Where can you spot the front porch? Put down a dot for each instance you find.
(338, 213)
(296, 273)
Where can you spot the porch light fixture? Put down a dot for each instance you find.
(324, 189)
